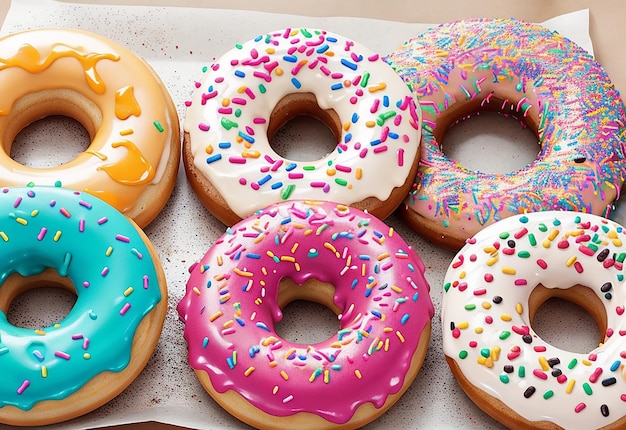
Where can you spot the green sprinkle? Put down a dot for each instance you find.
(504, 235)
(521, 372)
(463, 354)
(485, 352)
(504, 378)
(308, 168)
(470, 307)
(158, 126)
(532, 240)
(505, 334)
(204, 69)
(238, 45)
(548, 394)
(364, 79)
(572, 363)
(523, 254)
(305, 32)
(341, 181)
(587, 388)
(446, 286)
(287, 191)
(543, 228)
(228, 124)
(262, 89)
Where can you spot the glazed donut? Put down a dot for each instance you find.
(132, 160)
(52, 236)
(492, 291)
(527, 72)
(234, 297)
(258, 86)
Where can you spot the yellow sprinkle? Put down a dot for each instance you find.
(297, 267)
(383, 256)
(44, 372)
(288, 353)
(228, 324)
(357, 372)
(331, 172)
(492, 261)
(400, 336)
(508, 270)
(570, 261)
(288, 258)
(4, 236)
(463, 325)
(294, 248)
(225, 101)
(586, 362)
(251, 154)
(242, 273)
(216, 315)
(495, 353)
(612, 234)
(462, 275)
(546, 243)
(128, 291)
(21, 221)
(248, 371)
(386, 345)
(359, 173)
(109, 251)
(219, 277)
(275, 390)
(505, 317)
(570, 386)
(478, 330)
(486, 305)
(86, 356)
(617, 242)
(34, 213)
(370, 124)
(126, 132)
(543, 362)
(519, 308)
(326, 376)
(57, 236)
(380, 87)
(490, 250)
(279, 71)
(273, 363)
(346, 126)
(209, 149)
(391, 230)
(396, 289)
(220, 260)
(258, 301)
(553, 234)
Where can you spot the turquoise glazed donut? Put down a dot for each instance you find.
(64, 238)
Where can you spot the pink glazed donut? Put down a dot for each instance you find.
(527, 72)
(235, 295)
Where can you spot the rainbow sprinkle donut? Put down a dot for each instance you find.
(256, 87)
(234, 297)
(58, 237)
(527, 72)
(492, 290)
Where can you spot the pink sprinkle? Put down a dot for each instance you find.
(237, 160)
(520, 282)
(146, 282)
(578, 267)
(125, 309)
(579, 407)
(86, 344)
(77, 336)
(122, 238)
(586, 250)
(508, 251)
(294, 175)
(595, 375)
(23, 387)
(204, 127)
(63, 355)
(456, 333)
(65, 213)
(17, 202)
(540, 348)
(540, 374)
(378, 149)
(480, 292)
(42, 233)
(102, 220)
(317, 184)
(521, 233)
(400, 157)
(541, 263)
(623, 397)
(489, 319)
(619, 310)
(609, 332)
(563, 244)
(259, 120)
(104, 272)
(488, 277)
(81, 225)
(561, 379)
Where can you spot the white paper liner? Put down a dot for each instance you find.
(178, 42)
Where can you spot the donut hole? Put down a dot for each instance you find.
(39, 301)
(50, 128)
(308, 317)
(572, 319)
(300, 130)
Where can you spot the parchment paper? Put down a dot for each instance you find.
(178, 42)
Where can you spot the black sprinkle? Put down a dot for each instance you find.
(604, 409)
(557, 372)
(529, 391)
(508, 368)
(511, 243)
(603, 254)
(452, 326)
(606, 287)
(608, 296)
(527, 338)
(497, 300)
(609, 381)
(579, 160)
(553, 361)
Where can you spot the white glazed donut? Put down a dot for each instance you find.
(258, 86)
(492, 291)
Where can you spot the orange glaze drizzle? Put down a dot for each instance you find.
(134, 163)
(31, 60)
(125, 103)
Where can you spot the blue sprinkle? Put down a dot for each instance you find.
(349, 64)
(240, 74)
(246, 137)
(224, 145)
(231, 362)
(323, 48)
(290, 58)
(331, 39)
(205, 342)
(254, 350)
(386, 101)
(354, 283)
(241, 322)
(277, 185)
(377, 314)
(255, 256)
(355, 117)
(368, 292)
(348, 138)
(264, 179)
(416, 296)
(263, 326)
(364, 257)
(296, 83)
(335, 87)
(375, 142)
(290, 167)
(615, 365)
(214, 158)
(404, 319)
(285, 221)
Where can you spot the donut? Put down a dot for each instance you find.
(492, 290)
(133, 157)
(53, 236)
(529, 73)
(255, 88)
(332, 254)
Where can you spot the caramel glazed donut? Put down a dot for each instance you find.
(55, 237)
(257, 86)
(358, 267)
(529, 73)
(132, 160)
(492, 291)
